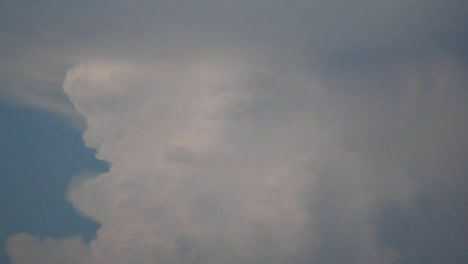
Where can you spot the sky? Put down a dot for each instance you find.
(262, 131)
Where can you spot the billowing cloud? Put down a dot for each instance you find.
(220, 161)
(184, 174)
(24, 248)
(264, 133)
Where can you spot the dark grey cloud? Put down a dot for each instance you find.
(322, 28)
(254, 131)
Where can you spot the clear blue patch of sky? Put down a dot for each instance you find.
(39, 154)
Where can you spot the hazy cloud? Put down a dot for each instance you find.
(24, 248)
(256, 131)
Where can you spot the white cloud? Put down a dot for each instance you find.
(45, 251)
(226, 197)
(224, 160)
(263, 138)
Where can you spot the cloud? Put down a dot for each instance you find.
(260, 132)
(42, 97)
(220, 161)
(42, 251)
(224, 205)
(40, 42)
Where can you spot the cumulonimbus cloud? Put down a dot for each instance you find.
(185, 175)
(225, 160)
(262, 146)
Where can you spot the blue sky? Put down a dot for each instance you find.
(40, 154)
(263, 131)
